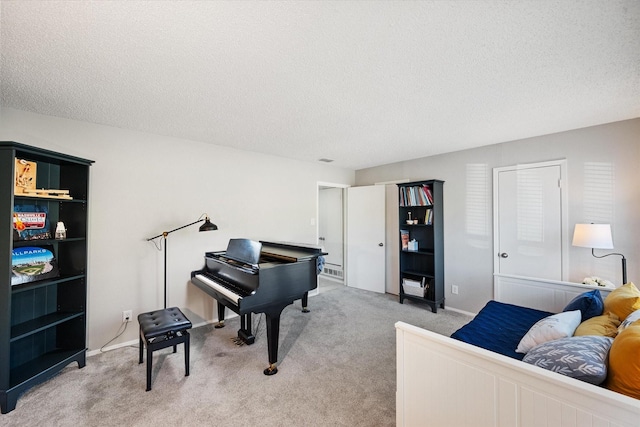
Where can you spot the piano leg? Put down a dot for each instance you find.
(305, 299)
(273, 335)
(220, 323)
(245, 333)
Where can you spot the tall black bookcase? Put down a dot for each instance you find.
(422, 242)
(42, 322)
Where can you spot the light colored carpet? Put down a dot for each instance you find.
(336, 368)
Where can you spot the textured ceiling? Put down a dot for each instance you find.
(363, 83)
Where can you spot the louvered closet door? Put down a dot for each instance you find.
(529, 222)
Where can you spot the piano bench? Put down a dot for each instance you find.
(161, 329)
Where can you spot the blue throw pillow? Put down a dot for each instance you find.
(589, 303)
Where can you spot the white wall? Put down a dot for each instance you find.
(603, 177)
(143, 184)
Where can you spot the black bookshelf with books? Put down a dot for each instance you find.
(43, 273)
(421, 242)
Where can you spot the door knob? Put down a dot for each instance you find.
(504, 255)
(380, 244)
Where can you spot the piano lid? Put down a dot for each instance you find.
(292, 252)
(244, 250)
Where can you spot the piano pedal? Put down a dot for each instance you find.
(237, 341)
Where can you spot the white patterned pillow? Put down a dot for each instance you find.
(583, 358)
(550, 328)
(629, 320)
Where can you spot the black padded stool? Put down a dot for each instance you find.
(161, 329)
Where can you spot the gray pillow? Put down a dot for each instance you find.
(584, 358)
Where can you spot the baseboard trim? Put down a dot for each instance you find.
(134, 343)
(460, 311)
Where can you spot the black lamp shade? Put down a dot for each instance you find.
(208, 225)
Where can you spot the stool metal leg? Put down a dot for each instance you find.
(141, 345)
(186, 352)
(149, 366)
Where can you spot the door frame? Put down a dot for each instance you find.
(564, 206)
(392, 254)
(320, 185)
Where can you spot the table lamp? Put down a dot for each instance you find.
(597, 236)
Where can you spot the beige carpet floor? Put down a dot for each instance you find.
(336, 368)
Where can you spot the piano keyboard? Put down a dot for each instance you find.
(220, 288)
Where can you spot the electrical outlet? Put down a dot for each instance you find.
(126, 316)
(454, 289)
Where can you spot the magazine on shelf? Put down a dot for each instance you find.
(33, 263)
(31, 222)
(413, 287)
(404, 239)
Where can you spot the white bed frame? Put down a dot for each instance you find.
(446, 382)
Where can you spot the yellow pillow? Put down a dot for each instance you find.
(623, 374)
(623, 301)
(605, 325)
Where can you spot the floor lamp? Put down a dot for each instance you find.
(597, 236)
(207, 226)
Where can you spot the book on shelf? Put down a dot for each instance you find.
(427, 194)
(428, 217)
(417, 195)
(404, 239)
(31, 222)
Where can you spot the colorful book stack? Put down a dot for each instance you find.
(428, 217)
(419, 195)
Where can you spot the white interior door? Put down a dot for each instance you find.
(529, 221)
(366, 238)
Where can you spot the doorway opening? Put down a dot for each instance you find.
(331, 231)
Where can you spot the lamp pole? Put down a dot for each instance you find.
(624, 264)
(207, 226)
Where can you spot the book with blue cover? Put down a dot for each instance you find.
(33, 263)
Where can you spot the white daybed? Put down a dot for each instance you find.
(445, 382)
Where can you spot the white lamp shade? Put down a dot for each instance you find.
(596, 236)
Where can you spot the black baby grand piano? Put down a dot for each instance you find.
(259, 277)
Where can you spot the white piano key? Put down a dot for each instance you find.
(218, 287)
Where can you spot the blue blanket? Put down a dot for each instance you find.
(499, 327)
